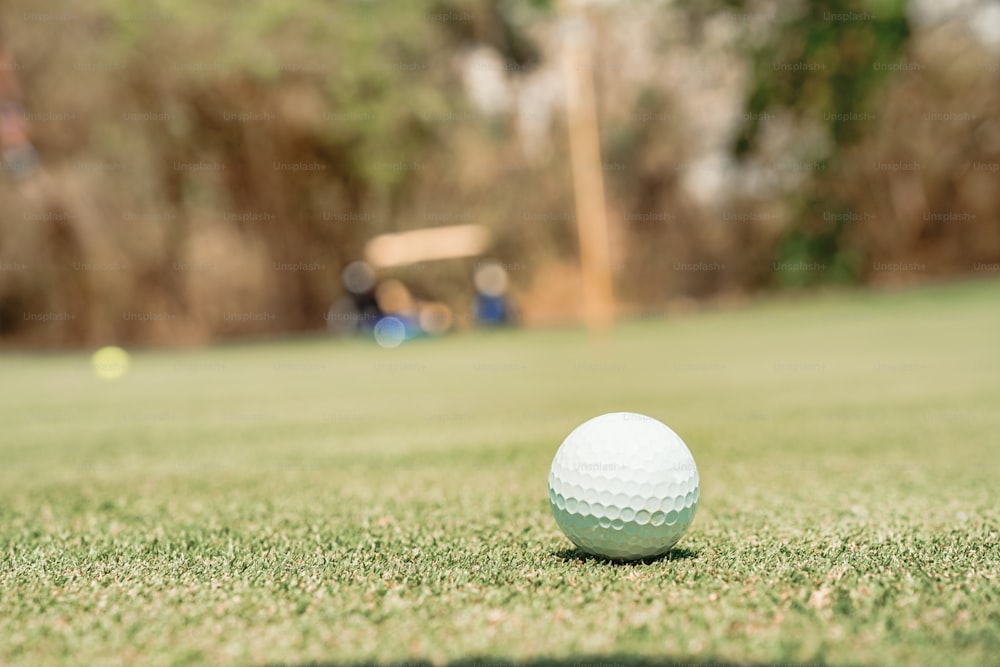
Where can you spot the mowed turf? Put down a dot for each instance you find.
(336, 502)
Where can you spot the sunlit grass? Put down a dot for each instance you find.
(331, 501)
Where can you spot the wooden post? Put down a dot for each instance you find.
(588, 172)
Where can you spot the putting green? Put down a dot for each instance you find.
(337, 502)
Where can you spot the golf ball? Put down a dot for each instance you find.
(623, 486)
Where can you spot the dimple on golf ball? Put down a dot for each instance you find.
(623, 486)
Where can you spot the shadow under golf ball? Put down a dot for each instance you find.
(579, 555)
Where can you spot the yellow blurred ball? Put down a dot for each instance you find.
(109, 363)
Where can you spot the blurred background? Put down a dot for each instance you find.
(179, 172)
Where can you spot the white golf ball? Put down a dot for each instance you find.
(623, 486)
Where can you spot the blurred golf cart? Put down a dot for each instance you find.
(425, 282)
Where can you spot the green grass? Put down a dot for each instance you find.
(340, 503)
